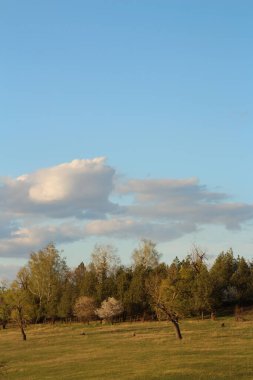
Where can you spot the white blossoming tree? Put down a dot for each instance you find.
(109, 309)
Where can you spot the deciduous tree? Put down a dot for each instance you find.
(146, 255)
(44, 278)
(84, 308)
(110, 309)
(105, 263)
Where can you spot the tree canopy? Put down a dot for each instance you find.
(47, 289)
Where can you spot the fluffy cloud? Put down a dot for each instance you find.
(73, 201)
(78, 189)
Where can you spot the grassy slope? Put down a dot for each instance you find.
(207, 351)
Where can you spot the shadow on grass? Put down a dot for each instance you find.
(109, 329)
(3, 370)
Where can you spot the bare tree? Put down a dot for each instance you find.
(197, 257)
(146, 255)
(105, 260)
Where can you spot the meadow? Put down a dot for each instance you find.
(140, 350)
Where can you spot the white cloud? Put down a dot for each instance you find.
(78, 189)
(130, 228)
(25, 240)
(7, 225)
(184, 201)
(79, 179)
(72, 201)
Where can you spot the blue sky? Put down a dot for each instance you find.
(162, 89)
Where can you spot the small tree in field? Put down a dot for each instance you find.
(163, 300)
(20, 308)
(110, 309)
(84, 308)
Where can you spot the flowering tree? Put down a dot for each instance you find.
(109, 309)
(84, 308)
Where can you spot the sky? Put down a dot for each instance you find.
(122, 120)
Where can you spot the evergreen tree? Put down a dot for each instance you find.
(221, 274)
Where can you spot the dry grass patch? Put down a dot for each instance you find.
(130, 351)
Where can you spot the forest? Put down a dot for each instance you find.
(47, 290)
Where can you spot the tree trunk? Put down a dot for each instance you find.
(23, 332)
(171, 318)
(177, 329)
(21, 322)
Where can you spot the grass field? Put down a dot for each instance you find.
(130, 351)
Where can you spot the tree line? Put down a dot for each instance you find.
(46, 289)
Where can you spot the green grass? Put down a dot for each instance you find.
(207, 351)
